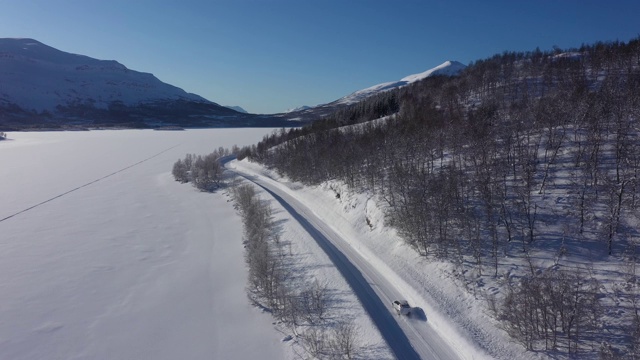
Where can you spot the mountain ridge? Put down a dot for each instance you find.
(447, 68)
(45, 88)
(35, 76)
(305, 113)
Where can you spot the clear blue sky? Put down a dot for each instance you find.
(270, 55)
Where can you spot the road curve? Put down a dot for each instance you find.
(408, 338)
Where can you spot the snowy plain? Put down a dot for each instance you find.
(119, 261)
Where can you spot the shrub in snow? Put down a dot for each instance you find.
(180, 171)
(204, 172)
(270, 284)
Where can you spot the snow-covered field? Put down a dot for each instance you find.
(122, 262)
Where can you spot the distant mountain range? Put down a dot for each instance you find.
(45, 88)
(42, 87)
(448, 68)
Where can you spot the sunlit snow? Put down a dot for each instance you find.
(131, 266)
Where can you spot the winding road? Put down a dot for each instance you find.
(407, 337)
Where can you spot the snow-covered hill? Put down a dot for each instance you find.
(37, 77)
(299, 108)
(305, 113)
(448, 68)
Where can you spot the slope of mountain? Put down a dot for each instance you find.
(299, 108)
(237, 108)
(448, 68)
(41, 87)
(38, 77)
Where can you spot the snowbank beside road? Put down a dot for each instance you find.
(451, 311)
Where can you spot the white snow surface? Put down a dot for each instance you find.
(131, 264)
(451, 311)
(299, 108)
(449, 68)
(38, 77)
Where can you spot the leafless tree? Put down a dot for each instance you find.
(557, 305)
(180, 171)
(345, 339)
(316, 341)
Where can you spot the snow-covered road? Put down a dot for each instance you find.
(408, 337)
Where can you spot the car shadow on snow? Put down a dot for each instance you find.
(418, 314)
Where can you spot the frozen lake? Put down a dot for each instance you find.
(104, 256)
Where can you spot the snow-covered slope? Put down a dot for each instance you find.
(236, 108)
(299, 108)
(37, 77)
(306, 113)
(448, 68)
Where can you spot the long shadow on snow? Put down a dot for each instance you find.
(378, 312)
(418, 314)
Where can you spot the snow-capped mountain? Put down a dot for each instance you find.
(306, 113)
(448, 68)
(300, 108)
(42, 87)
(37, 77)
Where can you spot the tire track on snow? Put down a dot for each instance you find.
(87, 184)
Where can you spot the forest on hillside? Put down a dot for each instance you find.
(522, 153)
